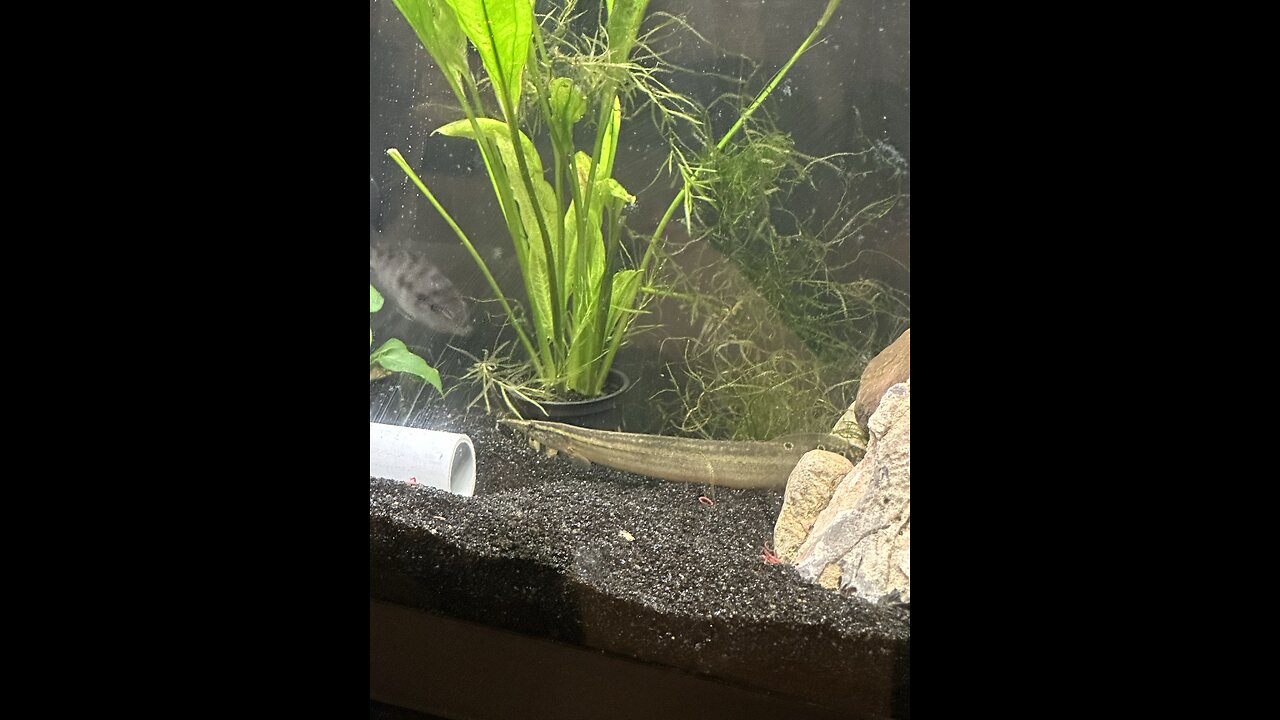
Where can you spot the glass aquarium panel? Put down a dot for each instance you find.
(641, 252)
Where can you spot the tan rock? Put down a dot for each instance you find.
(808, 489)
(865, 530)
(890, 367)
(830, 577)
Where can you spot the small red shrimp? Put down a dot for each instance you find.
(769, 556)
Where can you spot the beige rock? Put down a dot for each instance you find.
(830, 577)
(808, 489)
(890, 367)
(865, 531)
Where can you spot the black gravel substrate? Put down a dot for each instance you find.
(634, 566)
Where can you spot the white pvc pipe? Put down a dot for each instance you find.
(423, 457)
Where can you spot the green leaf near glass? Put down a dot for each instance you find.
(394, 356)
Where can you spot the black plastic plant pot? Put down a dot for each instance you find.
(597, 412)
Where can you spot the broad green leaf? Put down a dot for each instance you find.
(581, 368)
(584, 258)
(625, 17)
(497, 130)
(375, 300)
(591, 356)
(529, 249)
(538, 284)
(395, 356)
(618, 193)
(626, 283)
(437, 27)
(571, 269)
(586, 349)
(501, 30)
(586, 269)
(610, 147)
(568, 104)
(585, 264)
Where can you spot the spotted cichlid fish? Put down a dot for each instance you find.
(418, 289)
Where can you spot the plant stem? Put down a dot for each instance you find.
(499, 178)
(511, 115)
(561, 151)
(484, 269)
(755, 104)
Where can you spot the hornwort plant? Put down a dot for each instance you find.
(567, 232)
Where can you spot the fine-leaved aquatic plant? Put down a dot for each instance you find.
(785, 326)
(394, 356)
(502, 379)
(567, 232)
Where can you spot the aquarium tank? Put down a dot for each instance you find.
(646, 265)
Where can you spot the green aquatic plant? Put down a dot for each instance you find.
(394, 356)
(812, 270)
(500, 378)
(567, 235)
(738, 379)
(581, 290)
(783, 330)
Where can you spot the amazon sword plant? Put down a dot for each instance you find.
(567, 231)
